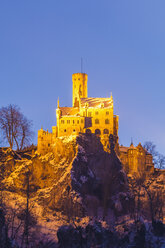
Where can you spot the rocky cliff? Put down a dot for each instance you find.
(78, 178)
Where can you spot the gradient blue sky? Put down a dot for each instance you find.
(122, 43)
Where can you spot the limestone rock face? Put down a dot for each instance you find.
(78, 177)
(44, 171)
(99, 177)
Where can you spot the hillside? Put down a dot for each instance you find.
(76, 184)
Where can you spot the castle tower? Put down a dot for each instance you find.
(58, 116)
(79, 88)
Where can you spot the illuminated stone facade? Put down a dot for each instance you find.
(136, 159)
(92, 115)
(87, 115)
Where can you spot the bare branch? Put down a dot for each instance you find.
(15, 127)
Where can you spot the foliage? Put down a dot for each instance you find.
(158, 159)
(15, 127)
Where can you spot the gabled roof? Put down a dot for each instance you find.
(96, 102)
(126, 148)
(123, 148)
(69, 111)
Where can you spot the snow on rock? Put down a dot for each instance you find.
(79, 165)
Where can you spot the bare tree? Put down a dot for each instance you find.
(15, 127)
(158, 159)
(148, 198)
(136, 182)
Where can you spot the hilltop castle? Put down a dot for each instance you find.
(92, 115)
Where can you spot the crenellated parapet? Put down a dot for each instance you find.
(45, 140)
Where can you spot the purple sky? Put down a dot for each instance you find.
(123, 47)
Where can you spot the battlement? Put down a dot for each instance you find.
(45, 139)
(79, 76)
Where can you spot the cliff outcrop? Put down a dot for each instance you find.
(78, 178)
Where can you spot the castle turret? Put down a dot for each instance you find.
(58, 116)
(58, 111)
(79, 88)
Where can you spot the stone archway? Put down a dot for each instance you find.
(97, 132)
(106, 131)
(88, 131)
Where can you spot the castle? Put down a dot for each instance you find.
(92, 115)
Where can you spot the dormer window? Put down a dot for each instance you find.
(86, 105)
(102, 105)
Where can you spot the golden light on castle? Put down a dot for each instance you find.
(92, 115)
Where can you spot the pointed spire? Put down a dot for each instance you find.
(58, 103)
(131, 141)
(111, 96)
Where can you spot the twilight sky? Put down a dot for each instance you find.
(123, 48)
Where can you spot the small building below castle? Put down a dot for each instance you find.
(136, 159)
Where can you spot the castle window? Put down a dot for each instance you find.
(64, 130)
(97, 121)
(106, 121)
(97, 132)
(74, 130)
(107, 113)
(48, 145)
(78, 78)
(88, 131)
(106, 131)
(82, 121)
(77, 121)
(73, 121)
(62, 121)
(96, 113)
(68, 121)
(89, 114)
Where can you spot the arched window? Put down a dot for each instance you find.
(106, 131)
(97, 132)
(64, 130)
(97, 121)
(106, 121)
(88, 131)
(89, 114)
